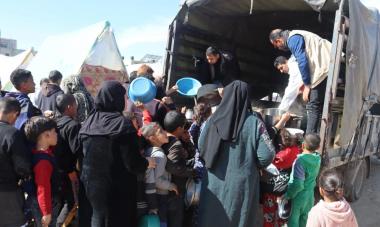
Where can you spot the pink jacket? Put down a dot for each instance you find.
(335, 214)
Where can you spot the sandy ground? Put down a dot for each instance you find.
(367, 208)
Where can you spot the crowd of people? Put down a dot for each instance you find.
(110, 161)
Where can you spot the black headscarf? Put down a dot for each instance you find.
(107, 119)
(226, 123)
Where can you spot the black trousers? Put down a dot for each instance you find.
(314, 107)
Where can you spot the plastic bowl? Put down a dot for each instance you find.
(142, 90)
(188, 86)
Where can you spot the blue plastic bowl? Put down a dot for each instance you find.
(188, 86)
(142, 90)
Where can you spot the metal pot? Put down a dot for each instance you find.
(272, 115)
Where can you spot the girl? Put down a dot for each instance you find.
(333, 210)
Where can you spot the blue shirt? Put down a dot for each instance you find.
(296, 45)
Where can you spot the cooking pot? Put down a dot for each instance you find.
(272, 115)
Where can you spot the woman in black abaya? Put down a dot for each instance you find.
(111, 160)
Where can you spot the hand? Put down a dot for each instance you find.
(174, 88)
(300, 89)
(285, 117)
(175, 189)
(139, 105)
(167, 100)
(49, 114)
(186, 137)
(221, 91)
(152, 163)
(183, 109)
(46, 219)
(73, 177)
(305, 94)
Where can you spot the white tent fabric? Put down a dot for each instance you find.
(363, 68)
(8, 64)
(94, 45)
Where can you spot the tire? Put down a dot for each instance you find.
(354, 188)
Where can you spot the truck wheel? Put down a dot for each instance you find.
(354, 189)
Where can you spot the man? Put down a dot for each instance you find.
(290, 67)
(14, 163)
(176, 165)
(46, 101)
(313, 56)
(22, 80)
(221, 67)
(67, 150)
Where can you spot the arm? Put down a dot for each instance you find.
(42, 175)
(296, 44)
(161, 182)
(176, 165)
(296, 182)
(265, 150)
(20, 159)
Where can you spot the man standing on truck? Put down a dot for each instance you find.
(313, 56)
(221, 67)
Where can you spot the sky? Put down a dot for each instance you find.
(140, 26)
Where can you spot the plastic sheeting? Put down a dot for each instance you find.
(8, 64)
(363, 68)
(94, 45)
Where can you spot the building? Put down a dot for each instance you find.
(8, 47)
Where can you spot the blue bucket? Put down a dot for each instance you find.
(149, 221)
(188, 86)
(142, 89)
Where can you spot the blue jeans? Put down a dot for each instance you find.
(314, 107)
(36, 211)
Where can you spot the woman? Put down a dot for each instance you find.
(74, 85)
(111, 160)
(234, 144)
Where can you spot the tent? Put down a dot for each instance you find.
(91, 52)
(8, 64)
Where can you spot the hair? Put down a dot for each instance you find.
(150, 129)
(35, 126)
(144, 70)
(287, 139)
(55, 76)
(44, 80)
(174, 120)
(332, 184)
(275, 34)
(20, 76)
(201, 112)
(212, 51)
(312, 141)
(132, 76)
(129, 115)
(279, 61)
(63, 101)
(9, 105)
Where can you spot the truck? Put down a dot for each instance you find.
(350, 123)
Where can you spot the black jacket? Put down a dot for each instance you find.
(226, 70)
(68, 147)
(15, 162)
(46, 98)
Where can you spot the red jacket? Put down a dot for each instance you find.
(43, 171)
(284, 159)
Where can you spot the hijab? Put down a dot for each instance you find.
(107, 119)
(227, 121)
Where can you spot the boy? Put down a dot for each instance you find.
(158, 180)
(176, 165)
(14, 164)
(46, 101)
(45, 202)
(22, 80)
(303, 180)
(67, 150)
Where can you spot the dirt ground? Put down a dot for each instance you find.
(367, 208)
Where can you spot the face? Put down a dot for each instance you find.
(279, 44)
(135, 123)
(51, 137)
(283, 68)
(73, 110)
(161, 136)
(28, 86)
(212, 59)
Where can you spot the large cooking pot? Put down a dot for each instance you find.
(272, 115)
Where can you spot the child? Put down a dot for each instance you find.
(41, 131)
(283, 161)
(333, 210)
(158, 179)
(201, 113)
(303, 180)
